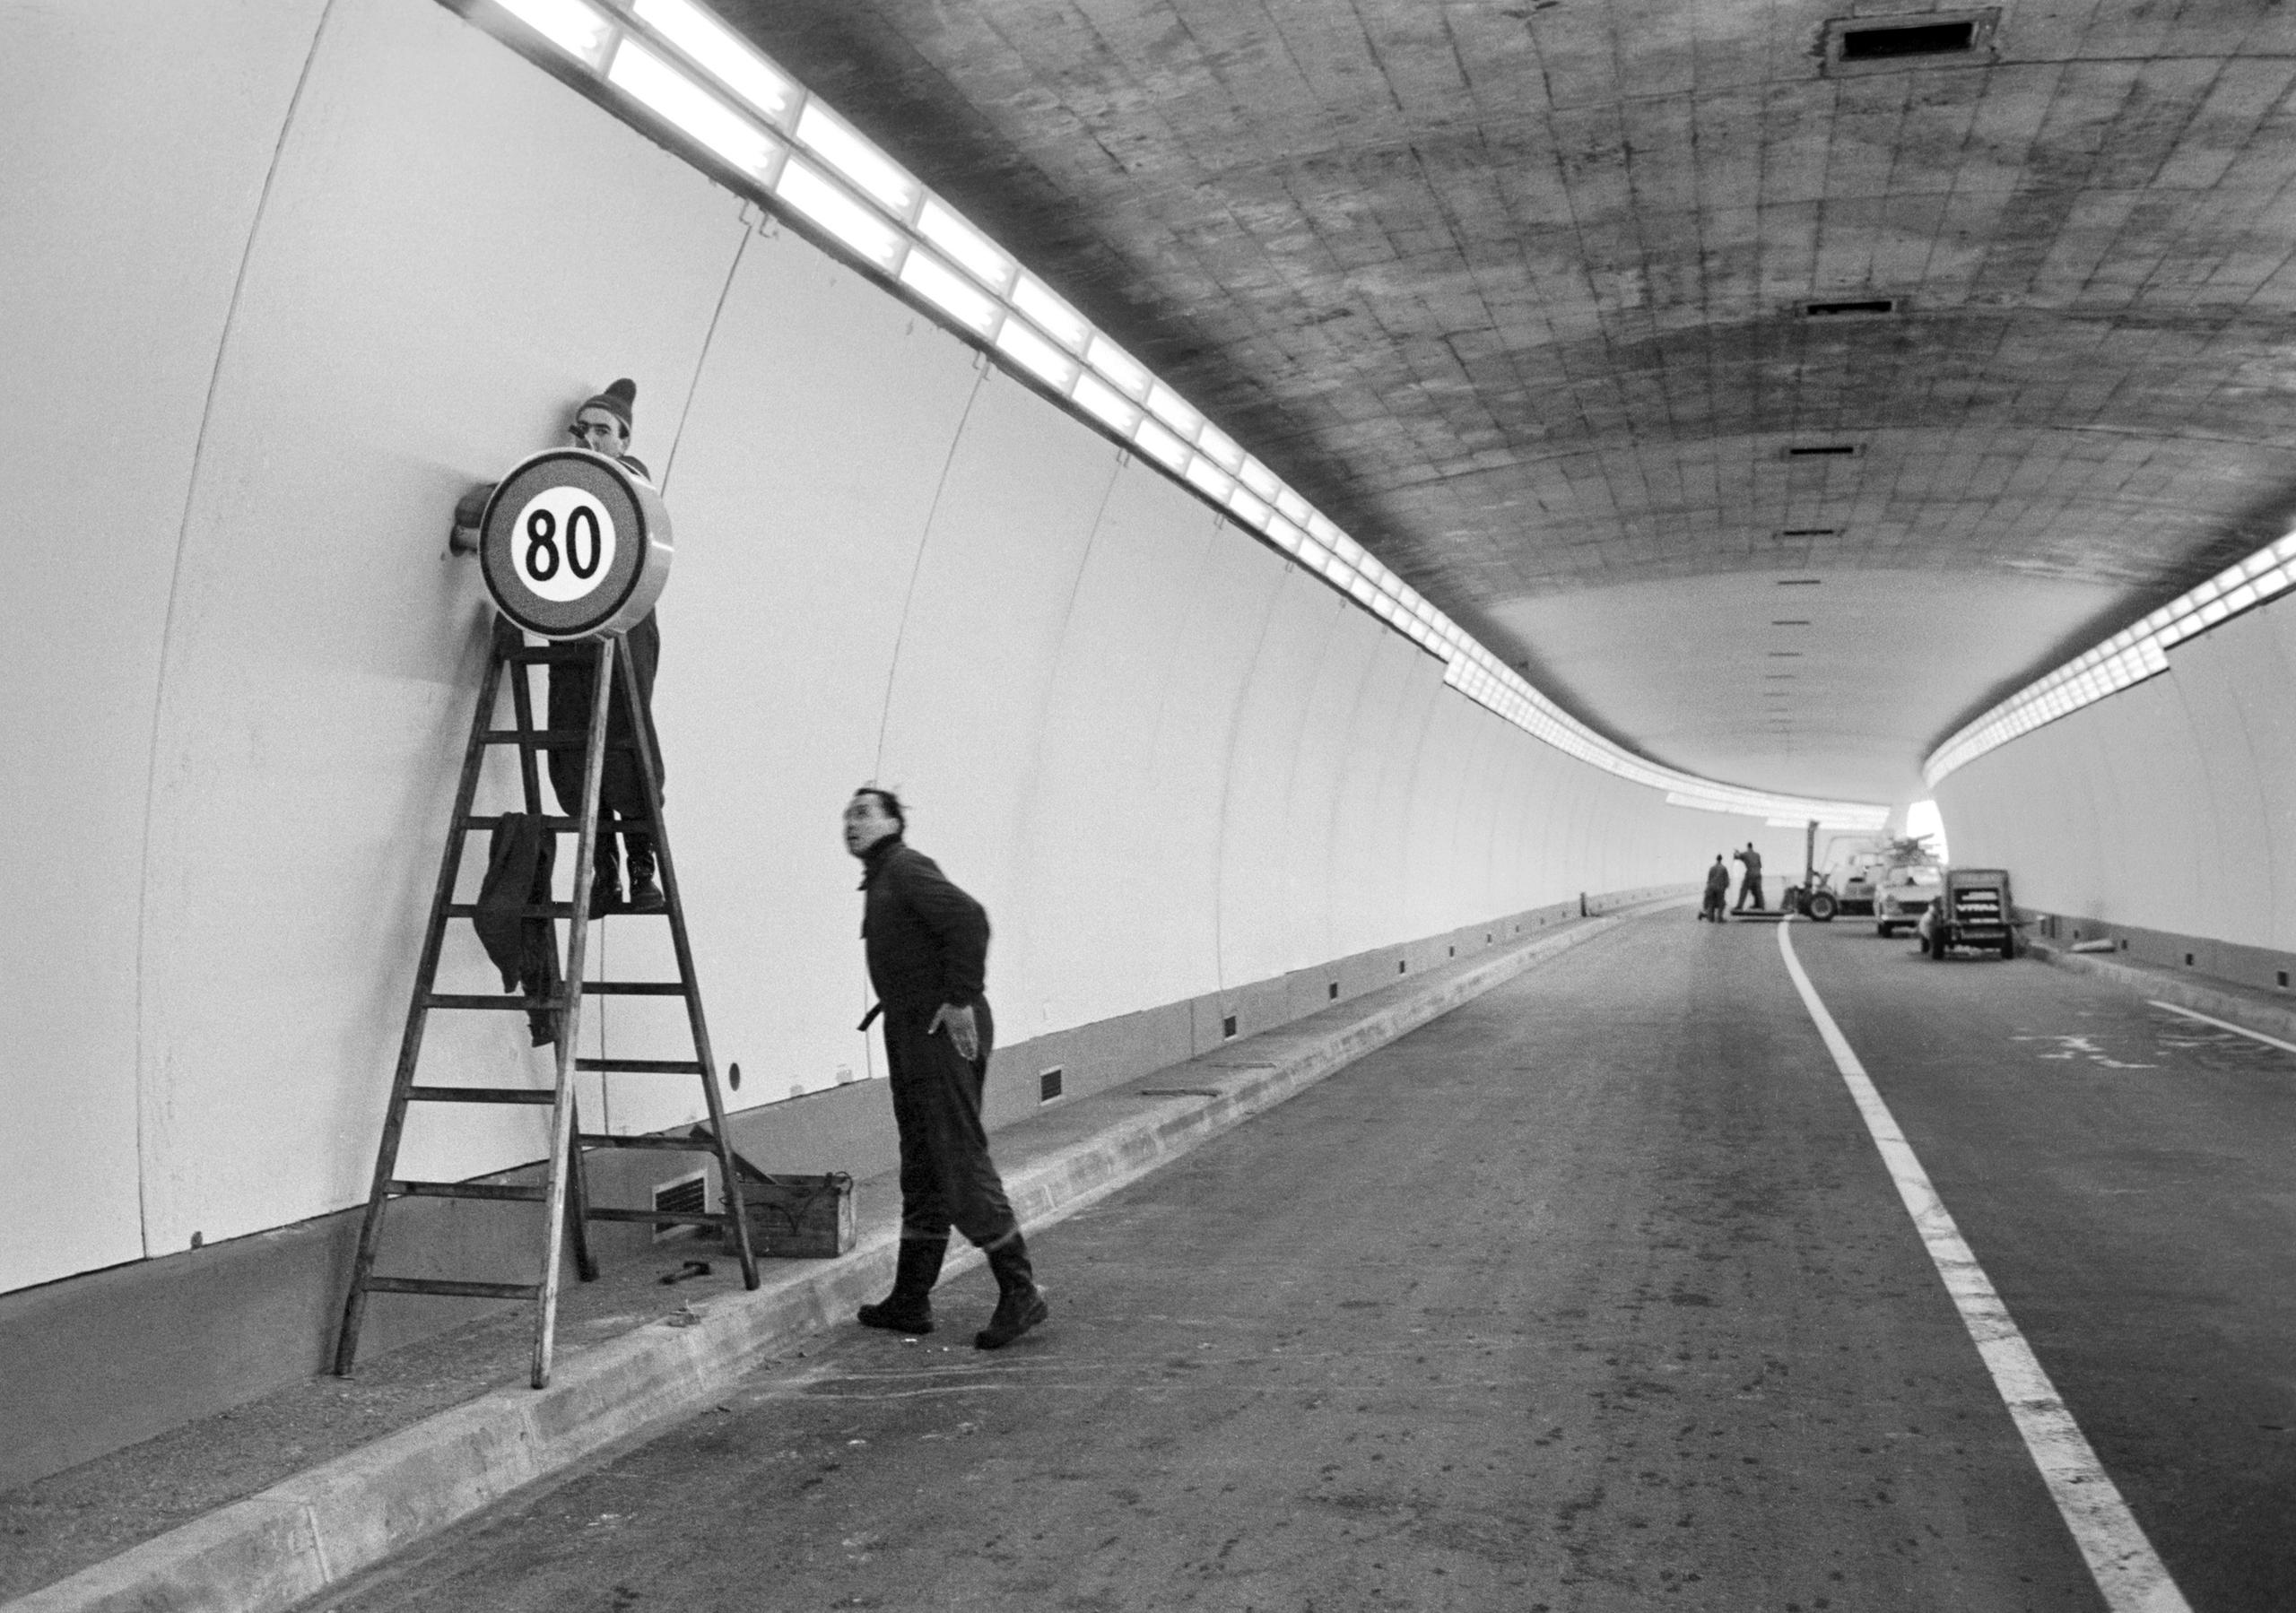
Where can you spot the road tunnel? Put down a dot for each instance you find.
(1305, 502)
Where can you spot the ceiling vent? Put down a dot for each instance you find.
(1850, 310)
(1946, 39)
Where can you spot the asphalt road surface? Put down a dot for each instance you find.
(1593, 1295)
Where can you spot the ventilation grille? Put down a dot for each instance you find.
(1823, 450)
(1950, 39)
(687, 1195)
(1049, 1083)
(1849, 309)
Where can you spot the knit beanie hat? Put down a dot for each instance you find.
(618, 400)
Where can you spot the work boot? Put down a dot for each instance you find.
(1019, 1306)
(909, 1308)
(645, 895)
(606, 895)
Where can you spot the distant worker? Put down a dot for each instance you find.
(1718, 890)
(927, 946)
(603, 426)
(1750, 890)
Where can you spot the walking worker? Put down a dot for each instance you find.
(928, 945)
(603, 426)
(1718, 890)
(1750, 890)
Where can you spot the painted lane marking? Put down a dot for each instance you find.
(2226, 1025)
(2127, 1571)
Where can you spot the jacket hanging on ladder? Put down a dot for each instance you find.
(519, 858)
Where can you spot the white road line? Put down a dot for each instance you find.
(2127, 1569)
(2224, 1024)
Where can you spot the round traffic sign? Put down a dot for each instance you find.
(574, 544)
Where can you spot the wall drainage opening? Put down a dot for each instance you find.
(2283, 976)
(1850, 310)
(1228, 1027)
(1824, 450)
(1333, 990)
(1799, 582)
(1049, 1082)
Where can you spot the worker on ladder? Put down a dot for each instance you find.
(603, 426)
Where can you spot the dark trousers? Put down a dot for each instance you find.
(946, 1176)
(622, 795)
(1750, 895)
(1715, 895)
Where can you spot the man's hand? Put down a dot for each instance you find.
(964, 1035)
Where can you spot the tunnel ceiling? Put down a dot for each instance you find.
(1519, 294)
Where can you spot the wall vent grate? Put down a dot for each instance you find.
(687, 1195)
(1866, 306)
(1824, 450)
(1049, 1082)
(1942, 39)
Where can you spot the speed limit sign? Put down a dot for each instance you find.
(573, 545)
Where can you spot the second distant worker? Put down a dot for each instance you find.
(1750, 892)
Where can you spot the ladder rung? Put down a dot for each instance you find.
(634, 988)
(676, 1145)
(494, 819)
(551, 738)
(471, 1190)
(478, 1095)
(676, 1217)
(460, 1290)
(461, 1000)
(550, 910)
(641, 1066)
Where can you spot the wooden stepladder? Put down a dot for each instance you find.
(564, 1191)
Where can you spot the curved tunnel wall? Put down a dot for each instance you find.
(371, 256)
(2167, 809)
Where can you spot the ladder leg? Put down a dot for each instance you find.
(426, 973)
(578, 1204)
(649, 770)
(561, 1109)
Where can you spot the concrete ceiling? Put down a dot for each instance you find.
(1516, 292)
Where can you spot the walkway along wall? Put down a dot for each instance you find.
(2163, 816)
(306, 272)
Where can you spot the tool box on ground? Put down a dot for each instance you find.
(798, 1218)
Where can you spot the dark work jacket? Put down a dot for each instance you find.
(927, 941)
(518, 858)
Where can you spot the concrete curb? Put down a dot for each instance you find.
(2240, 1007)
(292, 1542)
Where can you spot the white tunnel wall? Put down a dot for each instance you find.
(378, 259)
(2169, 806)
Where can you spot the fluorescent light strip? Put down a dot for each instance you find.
(652, 79)
(1106, 403)
(1022, 346)
(2130, 656)
(1055, 317)
(1049, 338)
(837, 143)
(950, 292)
(816, 197)
(721, 53)
(580, 31)
(973, 251)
